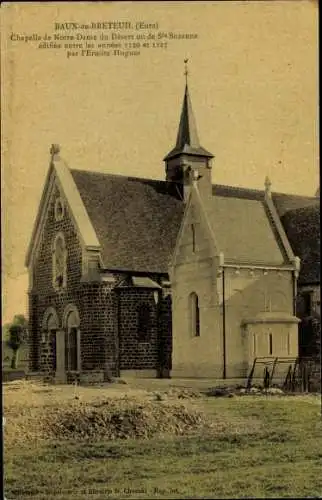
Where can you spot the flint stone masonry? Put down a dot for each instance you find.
(108, 314)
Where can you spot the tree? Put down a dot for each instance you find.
(17, 335)
(5, 331)
(19, 319)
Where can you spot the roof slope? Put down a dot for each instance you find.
(136, 220)
(244, 232)
(282, 201)
(303, 229)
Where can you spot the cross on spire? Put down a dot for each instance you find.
(54, 151)
(186, 70)
(268, 186)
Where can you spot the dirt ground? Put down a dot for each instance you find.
(130, 408)
(34, 393)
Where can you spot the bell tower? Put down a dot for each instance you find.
(188, 160)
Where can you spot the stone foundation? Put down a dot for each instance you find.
(91, 377)
(139, 373)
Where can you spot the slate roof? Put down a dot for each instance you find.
(303, 229)
(282, 201)
(137, 220)
(244, 233)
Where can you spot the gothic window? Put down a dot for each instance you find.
(53, 348)
(59, 209)
(72, 340)
(71, 357)
(194, 315)
(50, 326)
(144, 323)
(59, 262)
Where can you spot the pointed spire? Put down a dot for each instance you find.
(187, 136)
(187, 132)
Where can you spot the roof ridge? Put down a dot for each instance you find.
(236, 187)
(108, 174)
(239, 188)
(262, 191)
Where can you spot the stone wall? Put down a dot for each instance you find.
(133, 353)
(195, 272)
(226, 300)
(108, 317)
(310, 326)
(90, 299)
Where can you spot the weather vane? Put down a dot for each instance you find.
(186, 69)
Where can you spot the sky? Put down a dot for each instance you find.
(253, 81)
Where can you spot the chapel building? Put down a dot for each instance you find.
(181, 277)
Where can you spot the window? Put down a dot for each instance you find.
(270, 341)
(144, 323)
(71, 358)
(307, 303)
(59, 262)
(194, 315)
(53, 349)
(59, 209)
(71, 325)
(50, 325)
(254, 344)
(193, 235)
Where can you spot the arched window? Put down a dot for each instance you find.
(144, 323)
(59, 209)
(50, 326)
(194, 315)
(72, 339)
(59, 262)
(193, 238)
(270, 344)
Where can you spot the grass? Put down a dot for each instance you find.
(277, 452)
